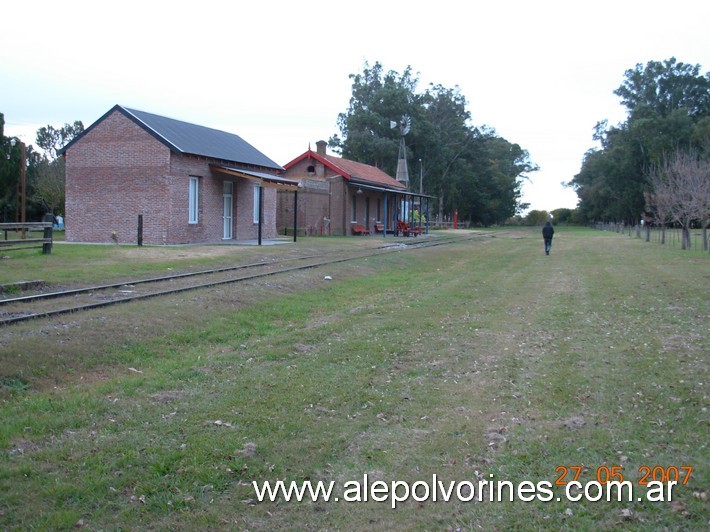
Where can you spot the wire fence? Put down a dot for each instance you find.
(669, 236)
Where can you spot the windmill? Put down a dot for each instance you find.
(404, 124)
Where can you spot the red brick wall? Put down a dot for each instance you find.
(321, 197)
(312, 204)
(114, 173)
(313, 209)
(209, 225)
(340, 208)
(118, 171)
(244, 211)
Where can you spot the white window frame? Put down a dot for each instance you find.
(193, 210)
(257, 186)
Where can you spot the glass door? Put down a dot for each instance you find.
(227, 216)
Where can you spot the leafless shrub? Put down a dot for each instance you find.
(681, 192)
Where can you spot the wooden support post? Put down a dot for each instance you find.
(384, 232)
(295, 215)
(23, 186)
(427, 216)
(261, 209)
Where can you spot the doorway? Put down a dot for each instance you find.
(227, 215)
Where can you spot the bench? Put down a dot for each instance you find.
(360, 230)
(409, 230)
(380, 228)
(416, 230)
(25, 243)
(402, 228)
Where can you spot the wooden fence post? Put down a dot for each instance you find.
(47, 246)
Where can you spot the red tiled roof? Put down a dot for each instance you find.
(351, 170)
(364, 172)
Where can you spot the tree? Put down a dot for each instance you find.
(562, 215)
(536, 217)
(51, 140)
(668, 107)
(658, 206)
(377, 99)
(469, 169)
(664, 87)
(448, 141)
(10, 158)
(48, 184)
(611, 181)
(10, 165)
(49, 171)
(681, 192)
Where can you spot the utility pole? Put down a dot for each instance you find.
(23, 179)
(421, 175)
(20, 204)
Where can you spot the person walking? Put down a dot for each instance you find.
(547, 233)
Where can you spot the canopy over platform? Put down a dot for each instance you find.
(266, 180)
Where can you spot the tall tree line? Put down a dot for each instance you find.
(668, 105)
(469, 169)
(44, 172)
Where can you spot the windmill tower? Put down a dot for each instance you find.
(404, 125)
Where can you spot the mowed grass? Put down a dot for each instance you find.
(479, 360)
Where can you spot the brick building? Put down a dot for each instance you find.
(188, 183)
(337, 195)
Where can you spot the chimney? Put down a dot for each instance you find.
(320, 147)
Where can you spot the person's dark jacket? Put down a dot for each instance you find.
(548, 231)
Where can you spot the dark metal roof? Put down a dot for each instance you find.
(184, 137)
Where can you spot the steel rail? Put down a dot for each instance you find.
(89, 306)
(76, 291)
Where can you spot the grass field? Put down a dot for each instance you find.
(480, 360)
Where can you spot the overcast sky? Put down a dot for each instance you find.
(541, 73)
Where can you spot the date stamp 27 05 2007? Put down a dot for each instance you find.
(606, 474)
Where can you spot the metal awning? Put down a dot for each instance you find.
(266, 180)
(355, 184)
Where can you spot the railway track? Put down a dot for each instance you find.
(43, 305)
